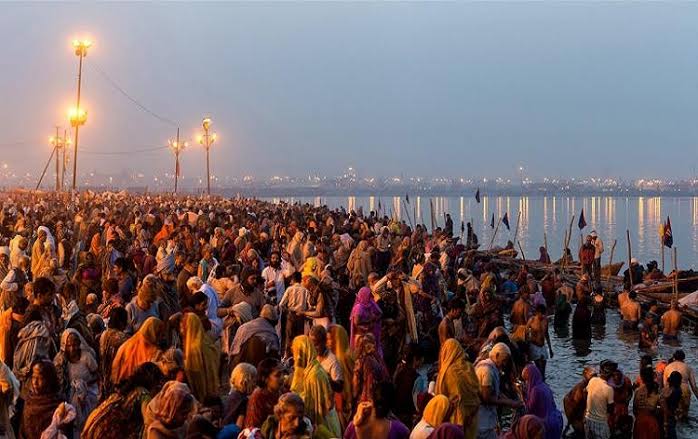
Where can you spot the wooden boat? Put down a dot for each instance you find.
(686, 285)
(612, 269)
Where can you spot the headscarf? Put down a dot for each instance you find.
(311, 382)
(541, 402)
(525, 427)
(165, 405)
(457, 378)
(365, 309)
(447, 431)
(436, 410)
(201, 358)
(343, 355)
(139, 349)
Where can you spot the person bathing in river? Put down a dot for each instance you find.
(671, 322)
(538, 336)
(630, 311)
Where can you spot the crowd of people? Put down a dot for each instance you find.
(135, 316)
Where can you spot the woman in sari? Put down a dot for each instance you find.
(311, 382)
(541, 402)
(77, 371)
(526, 427)
(41, 402)
(365, 317)
(436, 412)
(645, 406)
(369, 369)
(139, 349)
(34, 342)
(338, 344)
(124, 408)
(168, 412)
(201, 358)
(9, 392)
(456, 379)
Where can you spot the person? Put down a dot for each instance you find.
(645, 406)
(383, 247)
(563, 309)
(407, 387)
(544, 256)
(372, 419)
(242, 383)
(587, 254)
(598, 251)
(143, 347)
(76, 367)
(256, 339)
(437, 411)
(42, 400)
(488, 376)
(365, 317)
(318, 336)
(648, 332)
(447, 330)
(688, 381)
(581, 320)
(34, 342)
(273, 276)
(540, 402)
(143, 306)
(599, 403)
(671, 322)
(9, 394)
(575, 402)
(292, 305)
(168, 412)
(201, 358)
(526, 427)
(631, 312)
(338, 344)
(538, 335)
(369, 369)
(124, 408)
(619, 419)
(288, 420)
(263, 399)
(522, 309)
(456, 380)
(313, 385)
(670, 401)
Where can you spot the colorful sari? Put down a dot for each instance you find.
(541, 402)
(365, 317)
(311, 382)
(341, 351)
(139, 349)
(201, 358)
(457, 378)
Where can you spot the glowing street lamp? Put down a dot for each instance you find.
(78, 117)
(176, 146)
(206, 140)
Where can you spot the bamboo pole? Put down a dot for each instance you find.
(661, 245)
(494, 235)
(433, 218)
(523, 256)
(545, 244)
(630, 257)
(676, 276)
(613, 249)
(407, 212)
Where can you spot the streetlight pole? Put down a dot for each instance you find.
(58, 163)
(176, 147)
(206, 140)
(81, 47)
(59, 143)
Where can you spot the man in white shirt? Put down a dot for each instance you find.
(274, 282)
(598, 251)
(599, 403)
(293, 303)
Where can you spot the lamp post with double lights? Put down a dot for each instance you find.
(206, 140)
(78, 116)
(177, 147)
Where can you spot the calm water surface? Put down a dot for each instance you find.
(549, 217)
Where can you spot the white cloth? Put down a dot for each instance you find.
(276, 275)
(599, 397)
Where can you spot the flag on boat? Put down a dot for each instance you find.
(667, 236)
(582, 222)
(492, 222)
(505, 220)
(477, 195)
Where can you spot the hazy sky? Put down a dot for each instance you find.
(416, 88)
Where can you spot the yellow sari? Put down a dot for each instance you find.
(311, 382)
(343, 355)
(436, 410)
(139, 349)
(457, 378)
(201, 358)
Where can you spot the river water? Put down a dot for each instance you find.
(549, 217)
